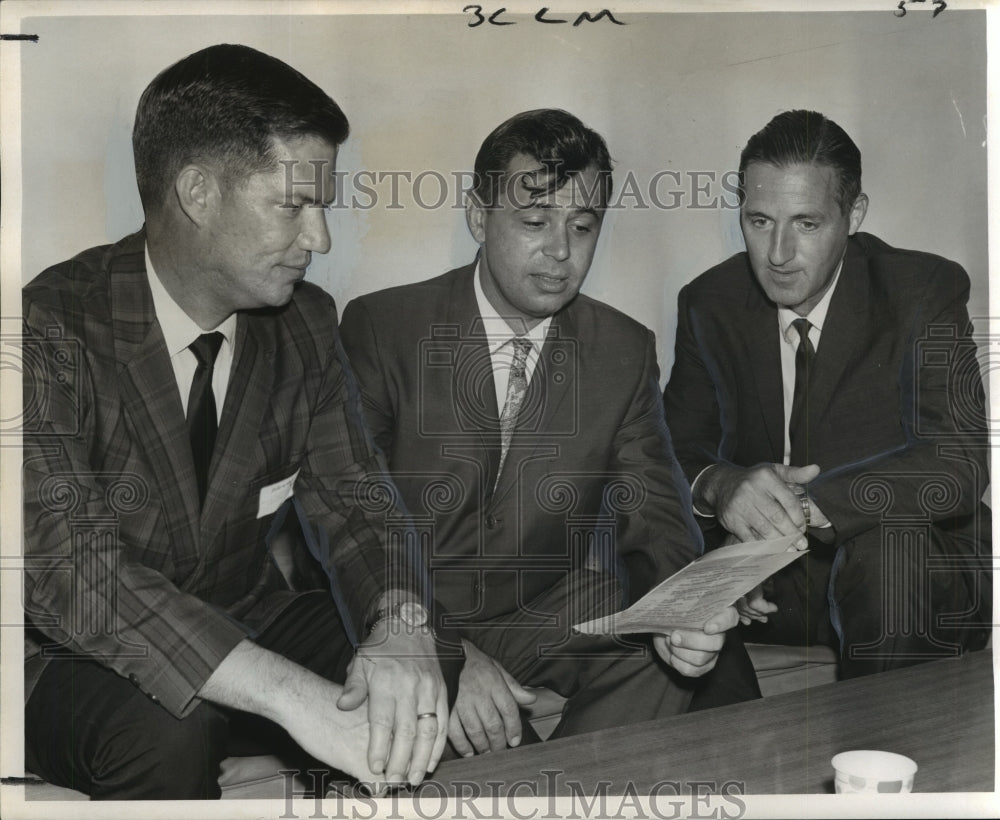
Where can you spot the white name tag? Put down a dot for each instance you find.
(274, 495)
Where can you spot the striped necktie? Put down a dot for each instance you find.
(517, 388)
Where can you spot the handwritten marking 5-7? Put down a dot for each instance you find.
(939, 6)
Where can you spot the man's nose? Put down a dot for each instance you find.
(781, 248)
(315, 235)
(557, 243)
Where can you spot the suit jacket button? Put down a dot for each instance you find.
(491, 522)
(133, 679)
(153, 697)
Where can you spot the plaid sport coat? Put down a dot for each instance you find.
(120, 563)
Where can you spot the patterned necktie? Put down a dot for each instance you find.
(798, 424)
(517, 387)
(202, 419)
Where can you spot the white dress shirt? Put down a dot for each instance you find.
(499, 334)
(179, 330)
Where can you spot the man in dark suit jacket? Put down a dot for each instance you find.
(863, 429)
(527, 515)
(158, 621)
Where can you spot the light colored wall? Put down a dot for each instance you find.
(670, 92)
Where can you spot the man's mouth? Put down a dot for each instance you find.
(548, 282)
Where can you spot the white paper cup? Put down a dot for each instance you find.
(868, 771)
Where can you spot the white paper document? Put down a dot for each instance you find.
(704, 587)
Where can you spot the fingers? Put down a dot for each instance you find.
(753, 607)
(523, 696)
(423, 746)
(486, 715)
(443, 724)
(690, 652)
(722, 621)
(756, 504)
(480, 726)
(456, 734)
(355, 687)
(497, 722)
(797, 475)
(382, 724)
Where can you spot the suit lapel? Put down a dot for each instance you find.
(469, 384)
(149, 391)
(843, 331)
(250, 383)
(760, 335)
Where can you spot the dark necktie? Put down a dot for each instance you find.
(202, 419)
(798, 424)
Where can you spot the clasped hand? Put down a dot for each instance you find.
(758, 503)
(487, 714)
(397, 671)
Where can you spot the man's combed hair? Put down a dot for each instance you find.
(224, 105)
(562, 145)
(807, 137)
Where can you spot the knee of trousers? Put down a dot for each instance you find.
(164, 757)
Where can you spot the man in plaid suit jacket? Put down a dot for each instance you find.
(159, 624)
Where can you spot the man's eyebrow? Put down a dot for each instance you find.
(575, 211)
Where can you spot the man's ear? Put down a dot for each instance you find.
(858, 211)
(475, 217)
(197, 190)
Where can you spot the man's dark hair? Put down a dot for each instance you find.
(562, 145)
(225, 104)
(807, 137)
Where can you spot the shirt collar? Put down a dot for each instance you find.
(498, 332)
(179, 329)
(816, 316)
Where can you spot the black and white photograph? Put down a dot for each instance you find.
(475, 410)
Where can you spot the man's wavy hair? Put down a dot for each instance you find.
(806, 137)
(225, 105)
(561, 144)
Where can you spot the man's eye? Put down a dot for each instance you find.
(808, 226)
(582, 227)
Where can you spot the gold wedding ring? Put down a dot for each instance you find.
(423, 715)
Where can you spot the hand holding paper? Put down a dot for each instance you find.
(690, 598)
(693, 652)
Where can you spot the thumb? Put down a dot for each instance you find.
(355, 689)
(797, 475)
(722, 621)
(521, 695)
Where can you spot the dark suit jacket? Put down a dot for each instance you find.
(121, 565)
(590, 442)
(896, 420)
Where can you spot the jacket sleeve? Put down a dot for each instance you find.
(365, 540)
(361, 343)
(656, 529)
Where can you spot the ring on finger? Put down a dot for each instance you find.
(803, 496)
(423, 715)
